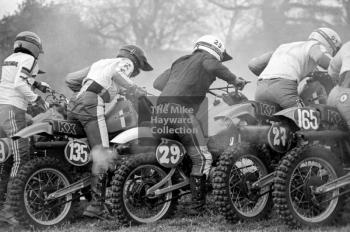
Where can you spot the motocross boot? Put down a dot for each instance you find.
(98, 188)
(6, 213)
(198, 189)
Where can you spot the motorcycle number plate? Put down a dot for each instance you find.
(307, 119)
(280, 138)
(5, 149)
(77, 152)
(170, 153)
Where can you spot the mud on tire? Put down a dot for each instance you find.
(285, 203)
(121, 180)
(24, 198)
(227, 166)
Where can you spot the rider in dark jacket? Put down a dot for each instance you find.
(185, 84)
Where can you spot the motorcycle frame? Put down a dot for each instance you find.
(156, 189)
(344, 152)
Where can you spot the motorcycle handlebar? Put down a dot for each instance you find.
(226, 89)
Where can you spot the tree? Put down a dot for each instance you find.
(67, 42)
(152, 24)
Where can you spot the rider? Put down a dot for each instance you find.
(16, 86)
(290, 63)
(339, 70)
(88, 106)
(186, 84)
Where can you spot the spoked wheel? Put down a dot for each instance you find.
(35, 181)
(129, 187)
(301, 171)
(235, 193)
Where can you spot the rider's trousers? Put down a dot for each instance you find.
(12, 120)
(192, 137)
(279, 91)
(88, 108)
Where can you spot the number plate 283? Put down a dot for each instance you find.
(170, 153)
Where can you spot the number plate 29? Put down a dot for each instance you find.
(170, 153)
(77, 152)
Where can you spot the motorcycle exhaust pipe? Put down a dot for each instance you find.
(322, 135)
(51, 144)
(254, 133)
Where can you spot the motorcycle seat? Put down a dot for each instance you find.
(72, 128)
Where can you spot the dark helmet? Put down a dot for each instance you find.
(136, 55)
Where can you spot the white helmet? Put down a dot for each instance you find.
(29, 41)
(214, 46)
(327, 37)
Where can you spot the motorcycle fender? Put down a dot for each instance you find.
(133, 134)
(34, 129)
(307, 118)
(288, 113)
(236, 111)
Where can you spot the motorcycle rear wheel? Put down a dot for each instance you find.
(237, 199)
(35, 180)
(303, 169)
(130, 183)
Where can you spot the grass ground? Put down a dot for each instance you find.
(180, 222)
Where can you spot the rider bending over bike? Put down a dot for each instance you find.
(88, 107)
(290, 63)
(185, 84)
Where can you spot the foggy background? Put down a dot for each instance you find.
(76, 33)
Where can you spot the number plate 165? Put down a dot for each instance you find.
(307, 119)
(170, 153)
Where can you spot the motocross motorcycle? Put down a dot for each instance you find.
(48, 188)
(56, 110)
(312, 179)
(146, 187)
(245, 172)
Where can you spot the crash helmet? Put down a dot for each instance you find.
(214, 46)
(137, 56)
(30, 42)
(328, 38)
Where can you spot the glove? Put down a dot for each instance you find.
(42, 86)
(240, 83)
(43, 105)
